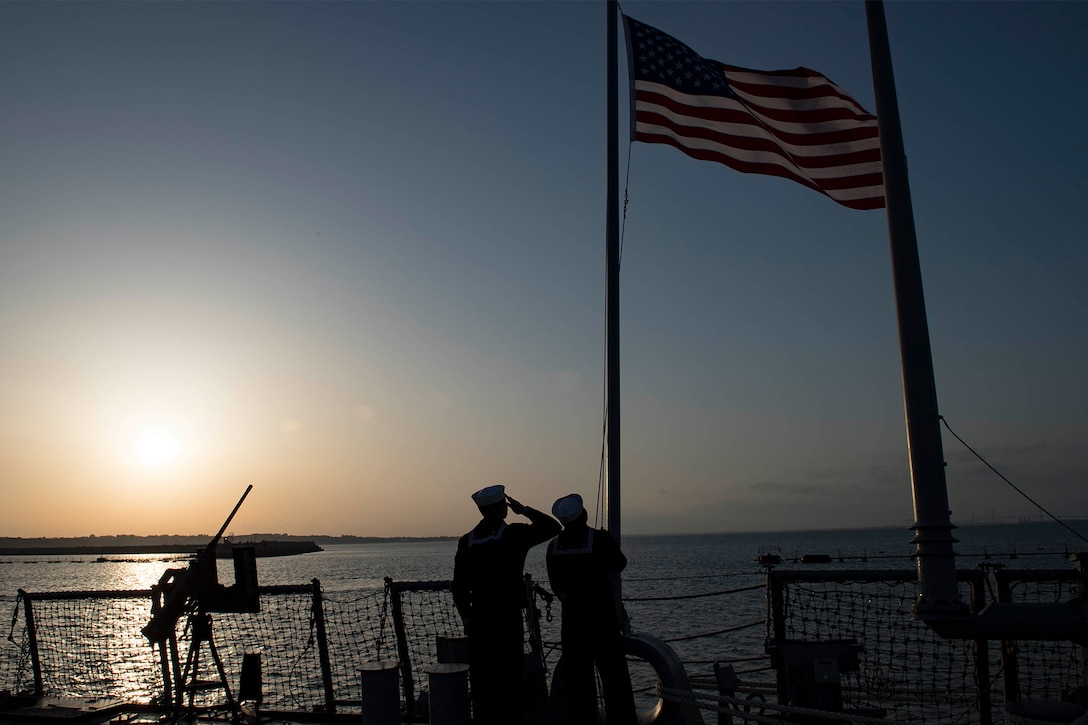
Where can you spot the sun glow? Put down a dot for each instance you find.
(156, 447)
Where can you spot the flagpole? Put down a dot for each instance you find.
(938, 591)
(612, 284)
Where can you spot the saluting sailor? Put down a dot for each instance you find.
(489, 592)
(582, 565)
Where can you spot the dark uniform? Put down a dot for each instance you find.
(489, 591)
(581, 565)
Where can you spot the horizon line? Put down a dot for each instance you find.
(998, 521)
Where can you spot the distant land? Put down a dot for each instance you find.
(173, 544)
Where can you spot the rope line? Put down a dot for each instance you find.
(757, 623)
(696, 576)
(694, 596)
(1033, 502)
(604, 412)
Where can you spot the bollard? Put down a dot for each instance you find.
(449, 693)
(452, 649)
(726, 677)
(380, 699)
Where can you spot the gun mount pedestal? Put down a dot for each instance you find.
(189, 683)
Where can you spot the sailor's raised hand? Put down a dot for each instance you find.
(515, 506)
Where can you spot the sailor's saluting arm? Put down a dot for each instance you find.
(544, 526)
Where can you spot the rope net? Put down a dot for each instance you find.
(312, 646)
(283, 632)
(359, 630)
(426, 614)
(903, 666)
(905, 670)
(423, 614)
(1044, 670)
(90, 646)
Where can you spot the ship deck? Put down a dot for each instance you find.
(96, 711)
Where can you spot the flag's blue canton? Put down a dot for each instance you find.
(660, 58)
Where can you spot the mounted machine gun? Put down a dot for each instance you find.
(193, 592)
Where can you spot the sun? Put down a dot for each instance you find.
(156, 446)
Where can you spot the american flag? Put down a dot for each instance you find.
(791, 123)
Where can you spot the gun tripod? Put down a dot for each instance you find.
(189, 682)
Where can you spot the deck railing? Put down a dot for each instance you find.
(785, 631)
(88, 644)
(878, 660)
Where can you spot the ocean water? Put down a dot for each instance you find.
(678, 564)
(666, 557)
(658, 566)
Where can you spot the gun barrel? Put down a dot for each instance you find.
(234, 511)
(186, 582)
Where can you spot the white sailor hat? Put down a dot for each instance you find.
(568, 508)
(490, 495)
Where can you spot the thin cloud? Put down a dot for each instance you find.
(778, 488)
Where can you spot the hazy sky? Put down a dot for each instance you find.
(352, 253)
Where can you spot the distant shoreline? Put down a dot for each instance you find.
(131, 544)
(190, 544)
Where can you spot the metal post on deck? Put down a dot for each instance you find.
(323, 647)
(402, 646)
(977, 582)
(1080, 564)
(1010, 665)
(776, 591)
(32, 641)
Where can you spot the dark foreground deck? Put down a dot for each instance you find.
(98, 711)
(852, 626)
